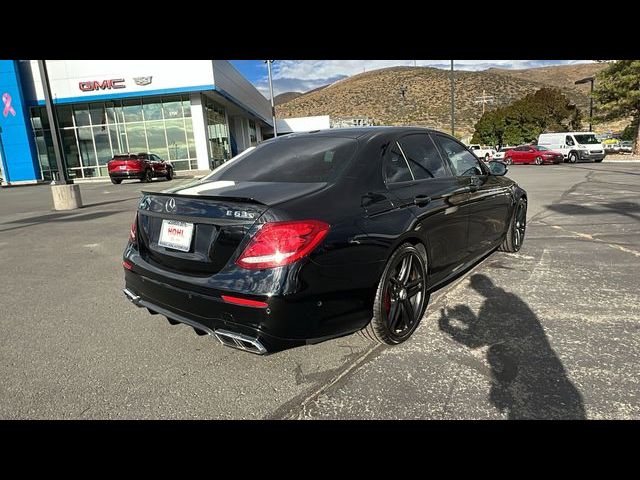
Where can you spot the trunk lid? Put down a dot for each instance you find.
(217, 227)
(221, 214)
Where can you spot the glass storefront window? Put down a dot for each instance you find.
(70, 147)
(217, 132)
(103, 145)
(152, 109)
(81, 115)
(186, 107)
(253, 137)
(191, 144)
(132, 109)
(172, 107)
(64, 114)
(98, 116)
(93, 132)
(85, 142)
(116, 139)
(176, 139)
(137, 138)
(156, 138)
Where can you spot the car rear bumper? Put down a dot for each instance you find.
(219, 320)
(127, 174)
(285, 323)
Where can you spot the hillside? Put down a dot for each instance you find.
(561, 76)
(285, 97)
(377, 94)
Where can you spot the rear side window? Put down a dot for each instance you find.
(464, 163)
(423, 157)
(395, 167)
(291, 160)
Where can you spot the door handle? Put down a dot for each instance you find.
(421, 200)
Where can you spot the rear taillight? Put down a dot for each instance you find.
(281, 243)
(133, 232)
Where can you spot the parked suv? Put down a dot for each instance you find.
(143, 166)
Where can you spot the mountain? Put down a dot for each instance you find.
(427, 101)
(285, 97)
(561, 76)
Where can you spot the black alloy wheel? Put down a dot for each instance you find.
(401, 298)
(169, 173)
(517, 229)
(148, 176)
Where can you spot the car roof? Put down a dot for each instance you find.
(358, 132)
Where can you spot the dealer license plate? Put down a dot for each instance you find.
(176, 235)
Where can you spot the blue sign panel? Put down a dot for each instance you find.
(19, 156)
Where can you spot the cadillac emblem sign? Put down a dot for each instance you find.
(142, 80)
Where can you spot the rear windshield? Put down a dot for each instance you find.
(125, 157)
(291, 160)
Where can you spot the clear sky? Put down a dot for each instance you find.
(304, 75)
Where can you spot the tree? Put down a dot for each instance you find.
(618, 94)
(523, 120)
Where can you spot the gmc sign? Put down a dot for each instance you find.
(104, 85)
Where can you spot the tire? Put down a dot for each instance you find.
(598, 161)
(148, 176)
(538, 161)
(116, 181)
(517, 229)
(394, 296)
(169, 175)
(509, 161)
(573, 157)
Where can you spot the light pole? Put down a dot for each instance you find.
(273, 108)
(66, 194)
(53, 122)
(588, 80)
(453, 108)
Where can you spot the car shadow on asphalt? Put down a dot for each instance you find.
(627, 209)
(528, 380)
(60, 218)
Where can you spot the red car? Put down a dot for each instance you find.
(143, 166)
(532, 154)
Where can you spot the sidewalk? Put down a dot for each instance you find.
(618, 158)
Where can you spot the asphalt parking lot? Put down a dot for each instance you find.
(550, 332)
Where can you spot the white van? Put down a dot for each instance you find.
(574, 146)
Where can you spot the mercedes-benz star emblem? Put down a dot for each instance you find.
(170, 205)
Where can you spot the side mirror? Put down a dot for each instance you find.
(497, 168)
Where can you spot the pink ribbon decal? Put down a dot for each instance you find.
(8, 109)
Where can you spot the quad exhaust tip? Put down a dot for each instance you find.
(239, 341)
(227, 338)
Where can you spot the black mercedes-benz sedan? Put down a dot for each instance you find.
(312, 236)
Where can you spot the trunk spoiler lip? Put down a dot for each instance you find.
(207, 197)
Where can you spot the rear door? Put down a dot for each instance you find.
(422, 182)
(489, 201)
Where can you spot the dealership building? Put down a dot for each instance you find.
(194, 113)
